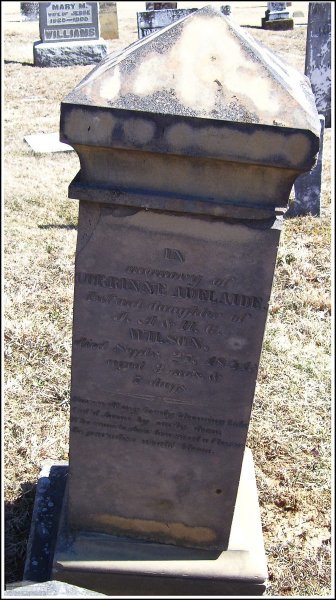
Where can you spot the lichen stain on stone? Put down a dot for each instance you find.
(198, 71)
(179, 136)
(111, 85)
(138, 131)
(100, 125)
(147, 527)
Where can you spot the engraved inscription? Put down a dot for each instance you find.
(90, 344)
(122, 283)
(159, 338)
(173, 254)
(172, 347)
(154, 427)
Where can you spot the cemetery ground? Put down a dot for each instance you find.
(290, 430)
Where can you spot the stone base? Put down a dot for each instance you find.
(67, 54)
(49, 589)
(121, 566)
(278, 24)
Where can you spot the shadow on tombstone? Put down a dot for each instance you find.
(17, 522)
(183, 183)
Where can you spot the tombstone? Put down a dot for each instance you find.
(29, 11)
(69, 35)
(318, 56)
(277, 17)
(307, 187)
(108, 19)
(173, 276)
(226, 9)
(160, 5)
(154, 20)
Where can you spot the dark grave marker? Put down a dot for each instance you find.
(318, 56)
(173, 277)
(154, 20)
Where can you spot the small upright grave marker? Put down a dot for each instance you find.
(154, 20)
(226, 9)
(69, 35)
(160, 5)
(318, 56)
(277, 17)
(108, 19)
(29, 11)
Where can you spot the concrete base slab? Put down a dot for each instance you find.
(44, 143)
(278, 24)
(115, 565)
(66, 54)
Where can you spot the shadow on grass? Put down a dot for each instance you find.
(18, 62)
(55, 226)
(17, 520)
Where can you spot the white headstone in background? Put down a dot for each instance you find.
(278, 10)
(318, 56)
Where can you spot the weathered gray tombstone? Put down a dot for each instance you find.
(183, 182)
(70, 35)
(307, 187)
(154, 20)
(277, 17)
(318, 56)
(160, 5)
(29, 11)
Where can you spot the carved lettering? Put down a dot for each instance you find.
(173, 254)
(227, 298)
(90, 344)
(161, 273)
(123, 365)
(157, 337)
(222, 362)
(122, 283)
(136, 352)
(153, 426)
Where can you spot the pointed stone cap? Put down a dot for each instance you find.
(201, 87)
(207, 66)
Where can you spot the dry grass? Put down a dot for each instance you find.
(290, 432)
